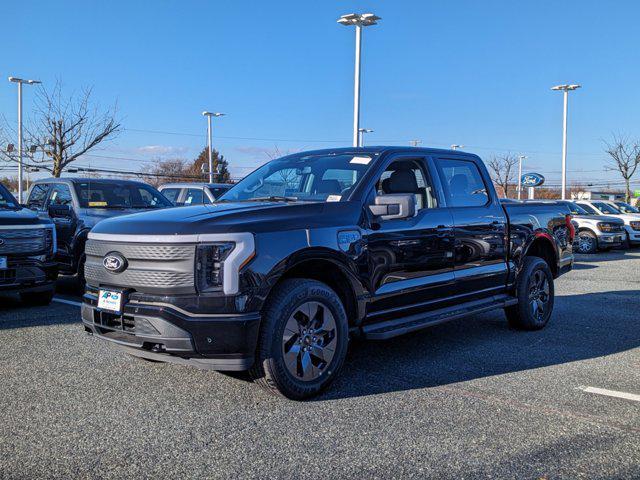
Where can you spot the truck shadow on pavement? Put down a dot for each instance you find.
(582, 327)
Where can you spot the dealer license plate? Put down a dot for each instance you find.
(110, 300)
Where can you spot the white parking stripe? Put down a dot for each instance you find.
(611, 393)
(67, 302)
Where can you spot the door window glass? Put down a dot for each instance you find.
(60, 195)
(38, 196)
(194, 196)
(590, 210)
(171, 194)
(407, 176)
(463, 183)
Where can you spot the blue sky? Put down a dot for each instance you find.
(466, 72)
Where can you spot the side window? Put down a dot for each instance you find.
(60, 195)
(194, 196)
(407, 176)
(172, 194)
(463, 183)
(38, 196)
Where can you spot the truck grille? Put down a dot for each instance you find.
(150, 268)
(24, 242)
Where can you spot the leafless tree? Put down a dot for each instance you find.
(63, 128)
(625, 158)
(503, 171)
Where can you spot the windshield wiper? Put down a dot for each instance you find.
(274, 198)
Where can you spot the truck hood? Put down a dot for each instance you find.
(254, 217)
(22, 216)
(599, 218)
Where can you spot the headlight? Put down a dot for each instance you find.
(606, 227)
(210, 265)
(635, 225)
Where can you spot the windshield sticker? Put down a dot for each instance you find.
(334, 198)
(361, 160)
(97, 204)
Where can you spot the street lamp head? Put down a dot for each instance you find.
(33, 82)
(566, 88)
(361, 19)
(365, 130)
(15, 79)
(22, 80)
(455, 146)
(213, 114)
(523, 157)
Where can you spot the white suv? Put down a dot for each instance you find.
(605, 207)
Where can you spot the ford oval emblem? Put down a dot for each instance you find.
(532, 180)
(114, 262)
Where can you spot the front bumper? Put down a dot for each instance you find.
(169, 334)
(632, 235)
(606, 240)
(29, 274)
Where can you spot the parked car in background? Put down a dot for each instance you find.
(27, 251)
(624, 207)
(605, 207)
(594, 231)
(183, 194)
(76, 205)
(317, 246)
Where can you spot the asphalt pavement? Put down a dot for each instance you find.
(467, 399)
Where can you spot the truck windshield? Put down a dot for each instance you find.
(313, 178)
(626, 208)
(576, 209)
(606, 208)
(6, 199)
(113, 195)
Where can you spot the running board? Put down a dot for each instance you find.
(400, 326)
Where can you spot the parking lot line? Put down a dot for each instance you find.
(67, 302)
(611, 393)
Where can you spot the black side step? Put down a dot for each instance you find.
(400, 326)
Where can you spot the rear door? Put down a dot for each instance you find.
(480, 228)
(410, 260)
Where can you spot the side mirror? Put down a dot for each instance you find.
(60, 211)
(394, 206)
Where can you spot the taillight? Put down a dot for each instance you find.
(570, 227)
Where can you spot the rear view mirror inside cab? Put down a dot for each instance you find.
(394, 206)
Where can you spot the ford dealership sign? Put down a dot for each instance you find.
(532, 180)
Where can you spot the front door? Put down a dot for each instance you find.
(480, 229)
(65, 225)
(410, 261)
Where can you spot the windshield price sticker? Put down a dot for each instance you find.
(361, 160)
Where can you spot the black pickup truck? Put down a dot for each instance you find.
(314, 248)
(27, 248)
(75, 205)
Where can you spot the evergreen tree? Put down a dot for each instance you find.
(201, 164)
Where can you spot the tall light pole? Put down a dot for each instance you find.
(20, 81)
(212, 170)
(456, 146)
(565, 89)
(520, 159)
(358, 20)
(362, 131)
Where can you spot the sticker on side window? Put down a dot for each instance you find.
(361, 160)
(334, 198)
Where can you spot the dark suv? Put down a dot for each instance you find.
(27, 248)
(316, 247)
(76, 205)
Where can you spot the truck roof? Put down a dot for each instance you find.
(378, 149)
(74, 180)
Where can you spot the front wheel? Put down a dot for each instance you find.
(587, 242)
(303, 339)
(535, 293)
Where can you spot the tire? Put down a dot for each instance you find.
(587, 242)
(292, 358)
(535, 292)
(37, 298)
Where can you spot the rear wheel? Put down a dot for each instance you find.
(37, 298)
(587, 242)
(535, 293)
(303, 339)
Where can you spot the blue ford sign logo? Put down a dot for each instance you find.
(532, 180)
(114, 262)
